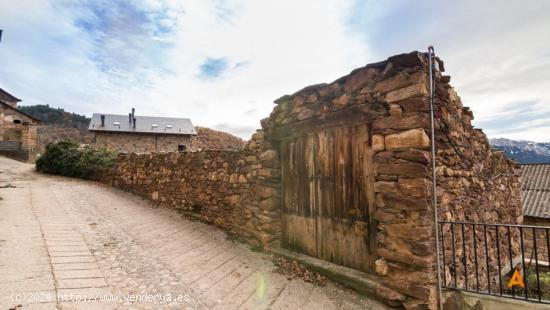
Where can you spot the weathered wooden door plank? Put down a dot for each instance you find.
(328, 195)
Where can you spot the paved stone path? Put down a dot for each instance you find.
(71, 244)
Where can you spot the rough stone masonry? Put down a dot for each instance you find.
(238, 191)
(241, 190)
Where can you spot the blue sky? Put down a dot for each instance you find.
(223, 62)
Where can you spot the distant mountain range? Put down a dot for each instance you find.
(525, 152)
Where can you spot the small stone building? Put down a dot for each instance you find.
(141, 134)
(18, 130)
(342, 172)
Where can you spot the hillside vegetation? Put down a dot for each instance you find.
(57, 117)
(69, 159)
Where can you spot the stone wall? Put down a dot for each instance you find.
(475, 183)
(536, 221)
(51, 134)
(16, 126)
(390, 97)
(541, 247)
(141, 143)
(29, 137)
(235, 190)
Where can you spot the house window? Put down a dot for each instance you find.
(182, 148)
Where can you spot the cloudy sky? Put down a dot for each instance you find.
(223, 62)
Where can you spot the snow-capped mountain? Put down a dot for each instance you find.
(525, 152)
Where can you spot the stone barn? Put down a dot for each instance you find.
(342, 172)
(18, 130)
(141, 134)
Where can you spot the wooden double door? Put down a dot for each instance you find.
(328, 195)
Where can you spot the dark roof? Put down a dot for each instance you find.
(144, 124)
(5, 96)
(535, 190)
(19, 111)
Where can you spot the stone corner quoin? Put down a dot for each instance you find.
(241, 191)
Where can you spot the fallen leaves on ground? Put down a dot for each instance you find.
(293, 270)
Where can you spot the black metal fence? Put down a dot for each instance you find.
(483, 258)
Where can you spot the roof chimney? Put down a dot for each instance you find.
(130, 118)
(102, 120)
(134, 122)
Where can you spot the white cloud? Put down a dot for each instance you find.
(285, 46)
(497, 52)
(273, 48)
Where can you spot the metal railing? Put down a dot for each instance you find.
(482, 258)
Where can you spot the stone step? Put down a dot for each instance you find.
(19, 155)
(360, 282)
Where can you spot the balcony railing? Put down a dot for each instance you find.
(484, 258)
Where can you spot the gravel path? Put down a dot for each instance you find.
(71, 244)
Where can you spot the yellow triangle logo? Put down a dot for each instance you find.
(516, 280)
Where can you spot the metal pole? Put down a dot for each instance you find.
(431, 54)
